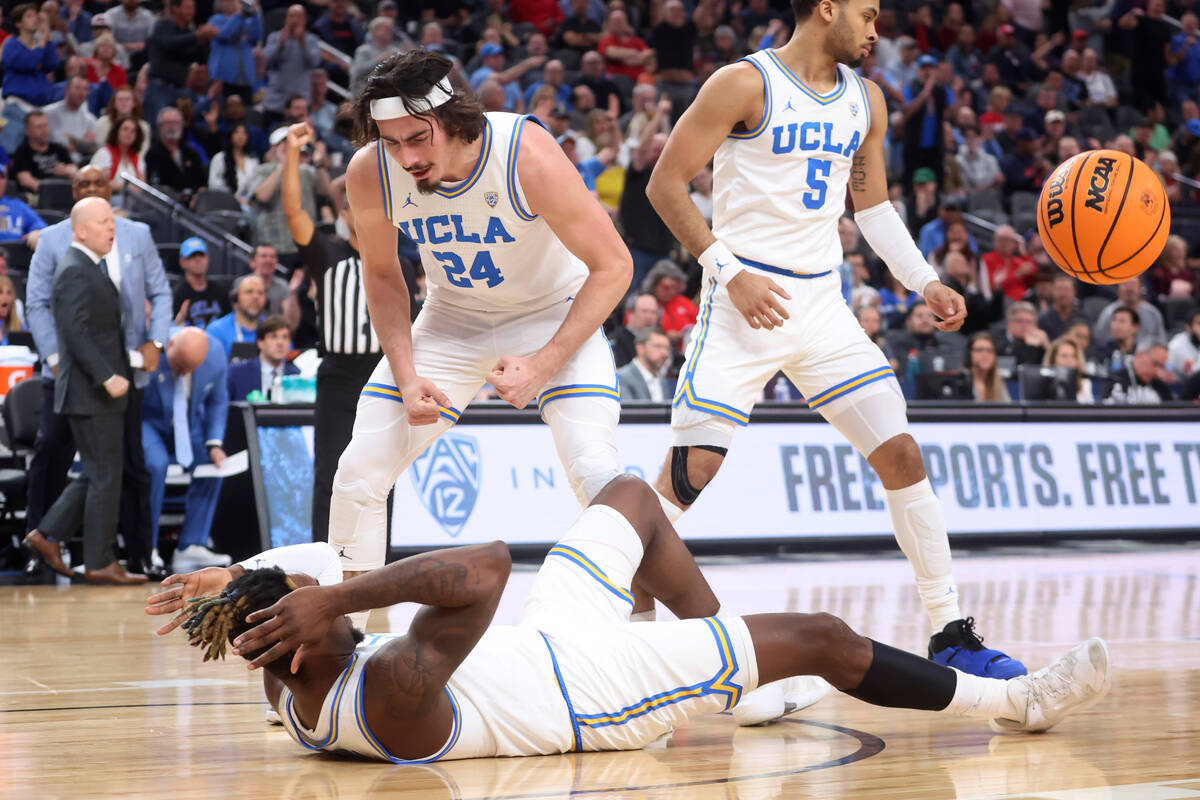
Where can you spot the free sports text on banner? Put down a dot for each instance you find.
(794, 480)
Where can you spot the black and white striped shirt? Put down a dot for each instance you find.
(336, 270)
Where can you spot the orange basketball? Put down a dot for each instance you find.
(1103, 216)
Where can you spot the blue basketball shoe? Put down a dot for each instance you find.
(960, 647)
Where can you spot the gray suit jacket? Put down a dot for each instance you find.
(87, 319)
(633, 384)
(142, 278)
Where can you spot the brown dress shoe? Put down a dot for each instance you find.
(50, 553)
(113, 573)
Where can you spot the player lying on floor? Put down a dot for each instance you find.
(575, 674)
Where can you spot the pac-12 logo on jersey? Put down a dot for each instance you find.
(491, 198)
(446, 478)
(854, 109)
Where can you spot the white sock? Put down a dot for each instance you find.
(644, 616)
(672, 511)
(920, 531)
(981, 698)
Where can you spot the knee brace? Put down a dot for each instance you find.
(684, 491)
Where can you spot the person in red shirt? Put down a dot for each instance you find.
(624, 53)
(545, 15)
(666, 282)
(1009, 269)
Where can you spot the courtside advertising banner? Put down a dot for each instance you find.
(795, 480)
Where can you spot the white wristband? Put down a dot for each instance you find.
(885, 233)
(724, 264)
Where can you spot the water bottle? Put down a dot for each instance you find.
(939, 363)
(277, 390)
(782, 393)
(914, 365)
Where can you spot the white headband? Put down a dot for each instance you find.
(393, 107)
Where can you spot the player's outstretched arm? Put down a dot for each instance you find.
(885, 232)
(387, 291)
(733, 95)
(555, 191)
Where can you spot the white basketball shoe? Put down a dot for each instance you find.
(1073, 683)
(775, 700)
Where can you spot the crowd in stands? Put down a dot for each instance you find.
(984, 99)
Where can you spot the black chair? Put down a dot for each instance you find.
(21, 414)
(229, 221)
(214, 200)
(55, 193)
(169, 253)
(242, 351)
(18, 255)
(1047, 383)
(955, 385)
(50, 215)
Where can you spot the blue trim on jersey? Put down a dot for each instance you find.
(484, 150)
(862, 85)
(384, 178)
(577, 747)
(585, 389)
(762, 126)
(510, 172)
(687, 392)
(846, 387)
(781, 271)
(393, 393)
(590, 567)
(718, 684)
(361, 719)
(331, 739)
(823, 99)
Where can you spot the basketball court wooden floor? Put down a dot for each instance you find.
(92, 704)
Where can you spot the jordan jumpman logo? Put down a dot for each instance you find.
(342, 551)
(408, 202)
(788, 107)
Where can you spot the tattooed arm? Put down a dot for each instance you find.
(460, 587)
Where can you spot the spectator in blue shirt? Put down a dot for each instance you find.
(27, 57)
(590, 168)
(18, 222)
(1184, 56)
(231, 55)
(493, 66)
(1023, 170)
(241, 324)
(933, 234)
(79, 22)
(555, 76)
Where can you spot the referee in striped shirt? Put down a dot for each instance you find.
(348, 344)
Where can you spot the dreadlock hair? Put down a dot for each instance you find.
(216, 619)
(411, 75)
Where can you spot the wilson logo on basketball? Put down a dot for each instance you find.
(1098, 185)
(1054, 203)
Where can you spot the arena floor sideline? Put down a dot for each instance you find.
(92, 704)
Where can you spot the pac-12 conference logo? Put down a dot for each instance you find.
(446, 478)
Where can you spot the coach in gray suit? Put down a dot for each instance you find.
(91, 390)
(134, 266)
(641, 379)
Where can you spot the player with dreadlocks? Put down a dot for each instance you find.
(575, 674)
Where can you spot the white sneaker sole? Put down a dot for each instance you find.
(776, 700)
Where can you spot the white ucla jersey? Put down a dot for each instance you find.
(779, 189)
(481, 247)
(506, 697)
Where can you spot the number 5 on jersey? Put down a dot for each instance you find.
(482, 267)
(818, 170)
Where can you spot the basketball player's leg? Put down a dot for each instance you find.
(667, 571)
(820, 644)
(726, 366)
(620, 538)
(582, 404)
(384, 444)
(852, 386)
